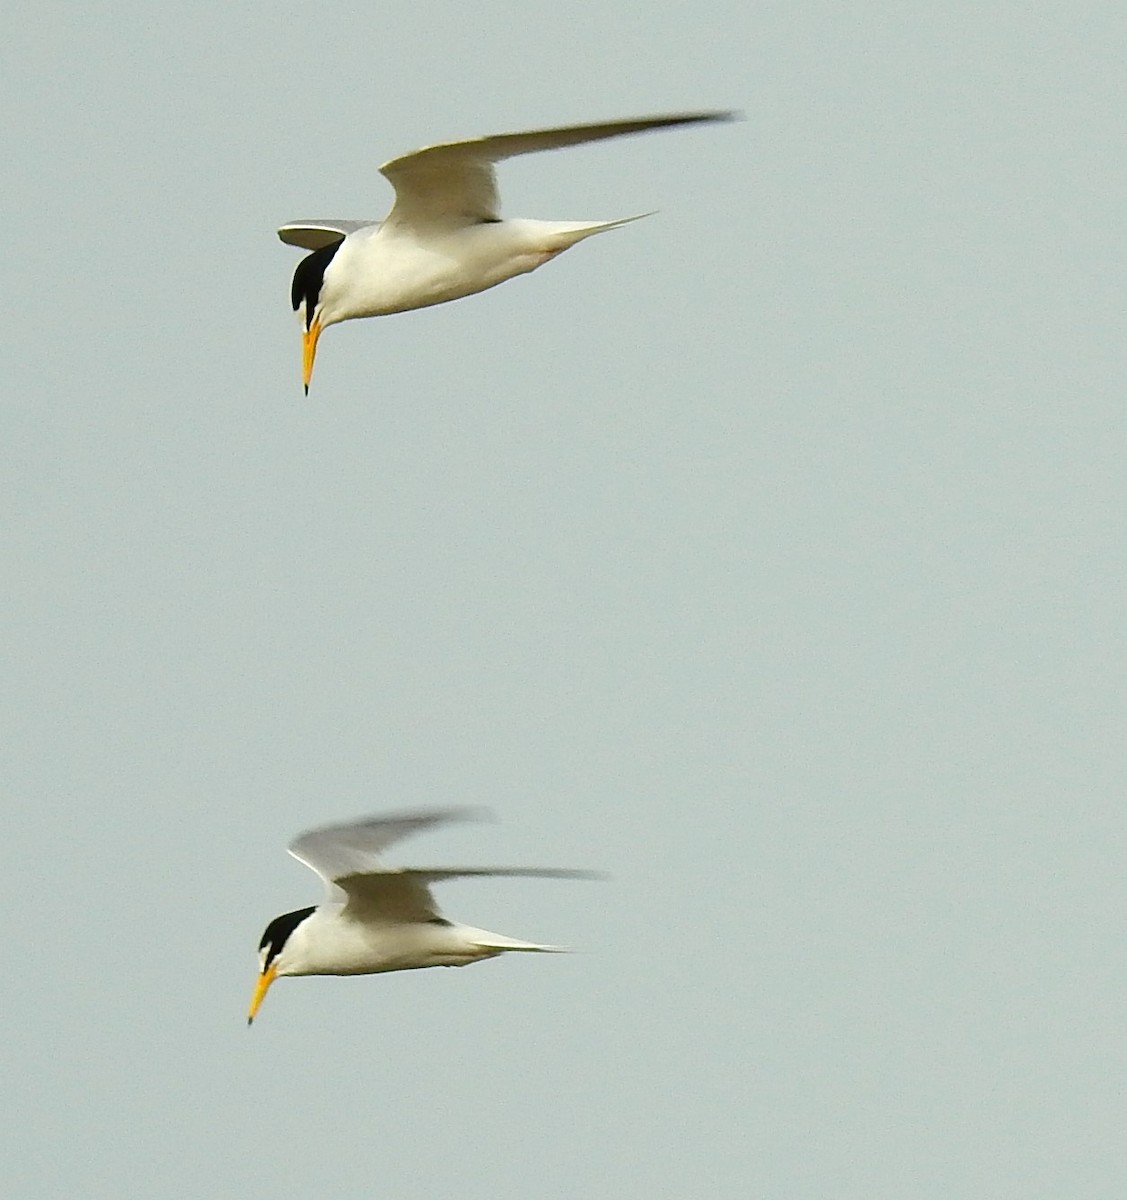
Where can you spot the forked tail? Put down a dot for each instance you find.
(498, 941)
(560, 235)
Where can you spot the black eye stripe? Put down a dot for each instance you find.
(278, 932)
(308, 278)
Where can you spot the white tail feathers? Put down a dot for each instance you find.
(570, 232)
(498, 941)
(621, 221)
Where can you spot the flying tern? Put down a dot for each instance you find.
(376, 918)
(445, 237)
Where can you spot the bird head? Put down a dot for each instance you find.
(308, 303)
(273, 959)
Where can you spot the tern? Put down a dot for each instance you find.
(375, 918)
(444, 237)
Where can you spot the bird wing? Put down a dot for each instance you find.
(315, 235)
(404, 896)
(454, 184)
(353, 848)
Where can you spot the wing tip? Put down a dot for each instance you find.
(711, 114)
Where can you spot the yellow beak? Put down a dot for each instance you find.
(309, 352)
(260, 990)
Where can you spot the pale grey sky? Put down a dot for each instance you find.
(767, 554)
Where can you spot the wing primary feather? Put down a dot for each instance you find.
(454, 183)
(500, 146)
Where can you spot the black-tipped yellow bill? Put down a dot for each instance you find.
(309, 352)
(260, 990)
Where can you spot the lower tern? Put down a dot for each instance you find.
(444, 237)
(375, 918)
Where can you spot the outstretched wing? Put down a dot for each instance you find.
(314, 235)
(354, 847)
(404, 896)
(454, 183)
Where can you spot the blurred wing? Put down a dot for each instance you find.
(438, 874)
(315, 235)
(454, 183)
(353, 848)
(404, 896)
(388, 897)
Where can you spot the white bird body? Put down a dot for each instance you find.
(380, 270)
(330, 943)
(444, 237)
(376, 919)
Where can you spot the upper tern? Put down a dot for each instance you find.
(444, 237)
(377, 918)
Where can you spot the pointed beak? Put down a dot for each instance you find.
(260, 990)
(309, 351)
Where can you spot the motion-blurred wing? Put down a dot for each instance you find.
(454, 183)
(404, 896)
(438, 874)
(353, 848)
(388, 897)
